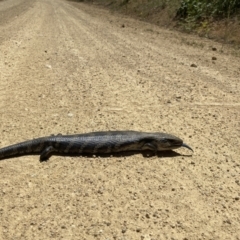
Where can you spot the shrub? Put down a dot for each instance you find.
(205, 9)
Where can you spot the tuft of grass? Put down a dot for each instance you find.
(193, 43)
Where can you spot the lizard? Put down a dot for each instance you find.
(94, 143)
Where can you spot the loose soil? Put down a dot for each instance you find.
(67, 67)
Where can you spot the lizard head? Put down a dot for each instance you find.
(164, 142)
(169, 142)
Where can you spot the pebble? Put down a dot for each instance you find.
(193, 65)
(48, 66)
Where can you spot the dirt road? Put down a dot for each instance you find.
(72, 68)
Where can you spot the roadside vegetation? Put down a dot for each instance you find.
(208, 17)
(218, 19)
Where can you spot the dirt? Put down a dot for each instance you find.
(67, 67)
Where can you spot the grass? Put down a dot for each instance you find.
(188, 42)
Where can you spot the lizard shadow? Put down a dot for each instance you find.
(145, 154)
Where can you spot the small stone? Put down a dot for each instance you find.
(214, 58)
(227, 221)
(123, 26)
(193, 65)
(146, 237)
(48, 66)
(214, 49)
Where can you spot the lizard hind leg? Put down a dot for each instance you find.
(46, 153)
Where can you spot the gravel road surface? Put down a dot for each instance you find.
(68, 67)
